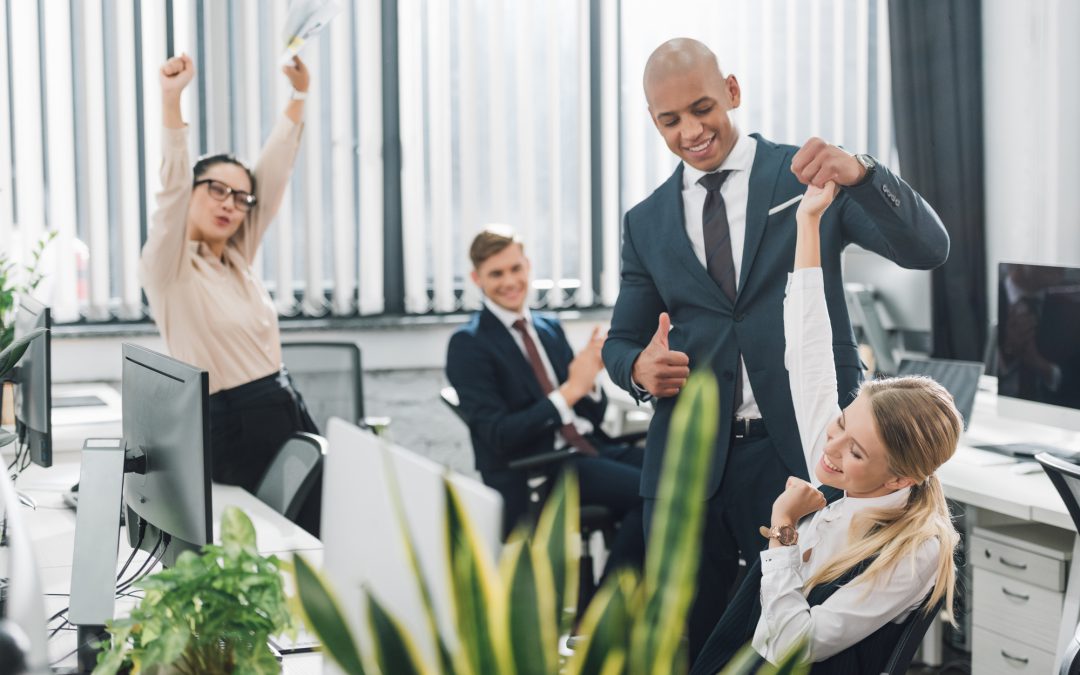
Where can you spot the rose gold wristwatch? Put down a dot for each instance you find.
(787, 535)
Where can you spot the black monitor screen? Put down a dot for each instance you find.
(167, 421)
(1038, 340)
(33, 391)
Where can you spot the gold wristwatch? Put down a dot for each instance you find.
(787, 535)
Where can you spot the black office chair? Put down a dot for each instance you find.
(541, 470)
(328, 376)
(294, 472)
(1066, 478)
(914, 629)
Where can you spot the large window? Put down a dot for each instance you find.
(529, 114)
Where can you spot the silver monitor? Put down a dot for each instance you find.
(166, 410)
(33, 391)
(363, 545)
(1038, 344)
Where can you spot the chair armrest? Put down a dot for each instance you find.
(542, 459)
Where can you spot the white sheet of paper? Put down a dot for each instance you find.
(303, 22)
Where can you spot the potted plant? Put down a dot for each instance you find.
(9, 357)
(508, 620)
(211, 613)
(10, 288)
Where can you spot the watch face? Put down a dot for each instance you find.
(787, 535)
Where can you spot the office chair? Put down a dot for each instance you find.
(328, 376)
(541, 470)
(915, 628)
(293, 473)
(1066, 478)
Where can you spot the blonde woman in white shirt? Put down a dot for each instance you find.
(846, 579)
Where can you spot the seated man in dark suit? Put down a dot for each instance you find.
(523, 392)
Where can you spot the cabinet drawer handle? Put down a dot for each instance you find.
(1015, 566)
(1018, 659)
(1015, 596)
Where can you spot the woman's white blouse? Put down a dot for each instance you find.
(857, 610)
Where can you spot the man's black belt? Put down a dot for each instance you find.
(745, 427)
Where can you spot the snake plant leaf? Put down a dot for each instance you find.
(479, 601)
(615, 663)
(14, 351)
(558, 539)
(745, 662)
(444, 656)
(393, 648)
(793, 663)
(530, 608)
(606, 626)
(324, 618)
(675, 539)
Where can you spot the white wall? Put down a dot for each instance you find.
(1032, 109)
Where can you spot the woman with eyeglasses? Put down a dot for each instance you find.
(209, 304)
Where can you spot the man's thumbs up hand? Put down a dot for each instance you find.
(659, 370)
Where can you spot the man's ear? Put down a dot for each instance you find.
(475, 277)
(733, 90)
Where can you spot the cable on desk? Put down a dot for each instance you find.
(134, 550)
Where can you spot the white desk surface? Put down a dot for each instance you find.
(1002, 484)
(52, 527)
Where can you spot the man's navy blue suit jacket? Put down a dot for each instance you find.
(660, 273)
(509, 416)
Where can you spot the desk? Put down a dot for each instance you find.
(52, 527)
(991, 484)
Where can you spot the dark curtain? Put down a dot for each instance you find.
(936, 48)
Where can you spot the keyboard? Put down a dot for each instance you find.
(1029, 450)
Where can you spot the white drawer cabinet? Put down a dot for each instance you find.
(994, 653)
(1019, 590)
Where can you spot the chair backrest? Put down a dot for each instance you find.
(914, 630)
(291, 476)
(328, 376)
(1066, 479)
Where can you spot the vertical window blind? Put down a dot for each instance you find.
(529, 114)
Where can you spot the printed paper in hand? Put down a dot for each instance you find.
(304, 21)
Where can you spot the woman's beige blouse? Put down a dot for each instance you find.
(215, 313)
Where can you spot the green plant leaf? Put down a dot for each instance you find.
(530, 609)
(479, 605)
(675, 539)
(324, 617)
(445, 658)
(394, 650)
(557, 539)
(14, 351)
(605, 628)
(237, 532)
(745, 662)
(793, 663)
(615, 663)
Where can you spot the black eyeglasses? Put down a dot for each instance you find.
(244, 201)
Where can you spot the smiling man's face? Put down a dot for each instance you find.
(690, 106)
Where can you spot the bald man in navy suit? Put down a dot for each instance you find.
(704, 266)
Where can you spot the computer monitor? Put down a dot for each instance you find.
(363, 546)
(904, 294)
(33, 389)
(1038, 344)
(166, 411)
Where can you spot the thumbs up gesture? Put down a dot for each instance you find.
(659, 370)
